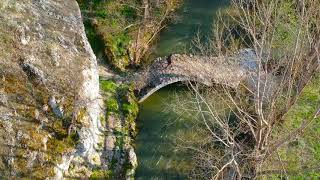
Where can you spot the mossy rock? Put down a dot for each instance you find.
(108, 86)
(101, 174)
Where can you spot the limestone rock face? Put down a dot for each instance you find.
(44, 53)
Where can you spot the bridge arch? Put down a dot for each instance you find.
(145, 93)
(184, 68)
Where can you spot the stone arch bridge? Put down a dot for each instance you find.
(201, 69)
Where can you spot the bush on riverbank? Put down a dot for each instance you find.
(235, 36)
(127, 28)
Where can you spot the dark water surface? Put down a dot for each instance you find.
(159, 126)
(195, 16)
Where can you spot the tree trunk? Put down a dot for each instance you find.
(146, 10)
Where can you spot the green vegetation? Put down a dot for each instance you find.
(108, 86)
(286, 30)
(129, 107)
(121, 106)
(107, 20)
(120, 100)
(124, 32)
(302, 154)
(101, 174)
(283, 29)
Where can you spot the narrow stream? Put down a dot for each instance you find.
(158, 126)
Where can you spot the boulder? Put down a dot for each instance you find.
(45, 57)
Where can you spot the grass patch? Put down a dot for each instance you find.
(111, 18)
(101, 174)
(302, 154)
(108, 86)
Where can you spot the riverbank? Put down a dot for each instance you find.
(121, 110)
(127, 30)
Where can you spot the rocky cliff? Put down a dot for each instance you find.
(49, 91)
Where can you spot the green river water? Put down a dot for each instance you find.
(158, 125)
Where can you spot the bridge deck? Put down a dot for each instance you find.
(176, 68)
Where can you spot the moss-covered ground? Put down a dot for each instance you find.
(301, 155)
(109, 20)
(121, 106)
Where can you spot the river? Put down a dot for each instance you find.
(159, 126)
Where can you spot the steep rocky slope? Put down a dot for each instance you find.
(49, 90)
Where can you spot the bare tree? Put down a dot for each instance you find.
(284, 37)
(152, 24)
